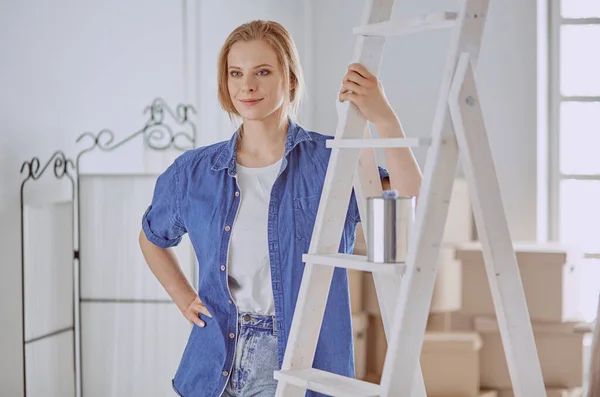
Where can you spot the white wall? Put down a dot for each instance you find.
(411, 73)
(67, 67)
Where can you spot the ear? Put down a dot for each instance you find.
(292, 90)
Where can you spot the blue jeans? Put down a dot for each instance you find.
(255, 358)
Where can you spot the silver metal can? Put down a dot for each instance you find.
(389, 221)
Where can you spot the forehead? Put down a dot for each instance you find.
(251, 53)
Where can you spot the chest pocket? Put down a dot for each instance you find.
(305, 214)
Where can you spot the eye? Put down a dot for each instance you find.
(234, 73)
(263, 72)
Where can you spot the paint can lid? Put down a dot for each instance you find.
(390, 194)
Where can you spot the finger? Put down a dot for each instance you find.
(360, 69)
(356, 78)
(204, 307)
(353, 87)
(197, 320)
(349, 96)
(204, 311)
(200, 308)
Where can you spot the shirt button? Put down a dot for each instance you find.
(230, 302)
(237, 194)
(225, 373)
(222, 267)
(227, 228)
(232, 335)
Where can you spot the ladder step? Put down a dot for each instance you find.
(438, 20)
(377, 143)
(356, 262)
(328, 383)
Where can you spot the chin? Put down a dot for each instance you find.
(256, 114)
(253, 115)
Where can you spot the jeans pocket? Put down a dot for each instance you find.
(244, 360)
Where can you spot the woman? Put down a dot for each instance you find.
(249, 205)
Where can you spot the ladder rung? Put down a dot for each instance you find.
(377, 143)
(356, 262)
(328, 383)
(438, 20)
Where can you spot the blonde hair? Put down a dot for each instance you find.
(281, 42)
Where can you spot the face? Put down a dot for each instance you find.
(255, 80)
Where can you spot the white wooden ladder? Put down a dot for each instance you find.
(405, 290)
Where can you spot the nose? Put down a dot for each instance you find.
(248, 83)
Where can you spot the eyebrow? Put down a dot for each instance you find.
(256, 67)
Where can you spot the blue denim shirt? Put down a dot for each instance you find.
(198, 195)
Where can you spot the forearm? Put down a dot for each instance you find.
(405, 175)
(166, 268)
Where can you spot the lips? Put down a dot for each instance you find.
(250, 101)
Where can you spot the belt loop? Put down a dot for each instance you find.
(274, 326)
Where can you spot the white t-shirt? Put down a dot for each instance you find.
(249, 264)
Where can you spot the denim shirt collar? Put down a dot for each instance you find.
(226, 156)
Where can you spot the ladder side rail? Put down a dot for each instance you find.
(499, 256)
(316, 279)
(368, 184)
(415, 295)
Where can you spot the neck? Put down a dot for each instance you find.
(262, 142)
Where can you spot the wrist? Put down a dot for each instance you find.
(183, 298)
(389, 127)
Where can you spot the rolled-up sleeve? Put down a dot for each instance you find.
(162, 222)
(383, 173)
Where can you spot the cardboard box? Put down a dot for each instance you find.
(576, 392)
(450, 322)
(548, 274)
(360, 245)
(355, 285)
(448, 283)
(370, 302)
(360, 322)
(449, 361)
(450, 364)
(559, 347)
(376, 347)
(372, 378)
(460, 226)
